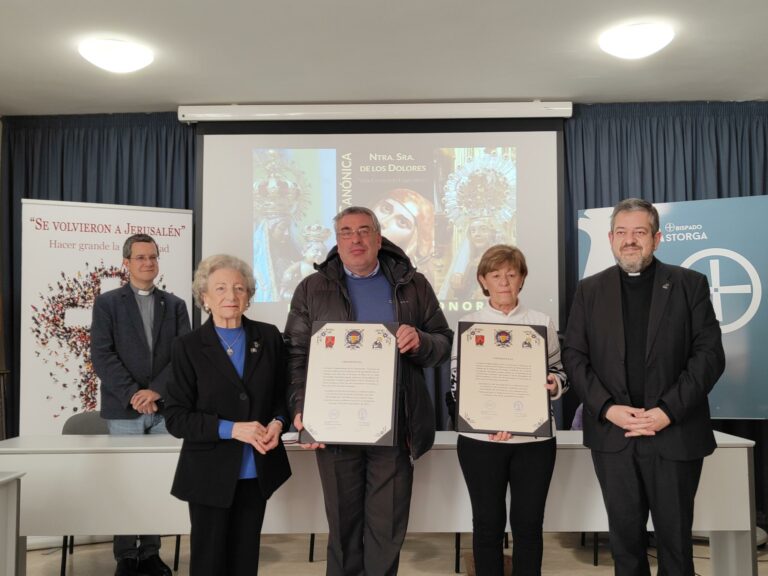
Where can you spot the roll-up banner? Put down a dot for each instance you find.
(71, 252)
(726, 240)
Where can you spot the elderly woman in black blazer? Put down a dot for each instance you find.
(226, 400)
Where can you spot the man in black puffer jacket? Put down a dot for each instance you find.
(367, 489)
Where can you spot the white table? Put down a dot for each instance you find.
(71, 481)
(9, 522)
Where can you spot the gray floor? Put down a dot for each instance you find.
(422, 554)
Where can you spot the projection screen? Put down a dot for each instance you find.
(444, 191)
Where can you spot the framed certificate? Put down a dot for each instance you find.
(351, 392)
(501, 376)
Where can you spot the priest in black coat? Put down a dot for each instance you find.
(643, 350)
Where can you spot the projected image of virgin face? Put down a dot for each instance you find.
(397, 223)
(408, 219)
(481, 233)
(280, 231)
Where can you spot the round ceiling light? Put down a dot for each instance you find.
(116, 56)
(634, 41)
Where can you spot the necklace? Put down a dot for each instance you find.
(229, 346)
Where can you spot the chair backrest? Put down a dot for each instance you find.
(578, 418)
(85, 423)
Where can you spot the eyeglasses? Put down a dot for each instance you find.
(348, 233)
(144, 259)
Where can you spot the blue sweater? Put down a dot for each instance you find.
(371, 298)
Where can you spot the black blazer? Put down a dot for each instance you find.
(684, 359)
(120, 351)
(205, 387)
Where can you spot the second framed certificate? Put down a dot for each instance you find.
(351, 393)
(501, 373)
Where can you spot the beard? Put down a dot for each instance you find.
(634, 262)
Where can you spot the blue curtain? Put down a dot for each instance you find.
(135, 159)
(668, 153)
(662, 152)
(132, 159)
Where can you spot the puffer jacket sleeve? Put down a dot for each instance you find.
(298, 331)
(434, 334)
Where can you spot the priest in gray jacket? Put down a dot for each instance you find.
(131, 334)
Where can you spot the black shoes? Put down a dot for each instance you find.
(153, 566)
(129, 567)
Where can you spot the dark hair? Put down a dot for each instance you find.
(357, 210)
(496, 256)
(635, 205)
(131, 240)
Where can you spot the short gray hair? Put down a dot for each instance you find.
(356, 210)
(220, 262)
(635, 205)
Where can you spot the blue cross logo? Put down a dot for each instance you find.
(718, 290)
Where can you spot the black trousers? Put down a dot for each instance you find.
(225, 541)
(635, 481)
(367, 492)
(488, 468)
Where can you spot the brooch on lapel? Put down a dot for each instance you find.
(255, 347)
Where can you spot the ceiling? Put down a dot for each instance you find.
(363, 51)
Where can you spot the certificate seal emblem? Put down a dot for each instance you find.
(326, 336)
(382, 337)
(353, 339)
(503, 338)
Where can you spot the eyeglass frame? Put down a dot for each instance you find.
(362, 232)
(143, 258)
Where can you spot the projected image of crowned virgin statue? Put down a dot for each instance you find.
(480, 202)
(288, 231)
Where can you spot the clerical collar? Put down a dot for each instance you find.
(141, 292)
(650, 269)
(349, 272)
